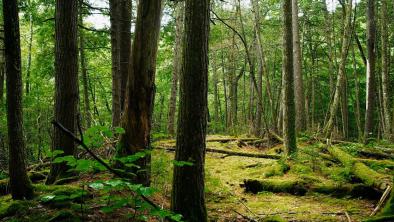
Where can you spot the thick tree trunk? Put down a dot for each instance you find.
(114, 6)
(84, 72)
(66, 78)
(298, 80)
(177, 65)
(188, 184)
(21, 187)
(341, 73)
(289, 132)
(137, 118)
(371, 60)
(385, 73)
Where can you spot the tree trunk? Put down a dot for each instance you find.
(177, 65)
(188, 185)
(125, 10)
(21, 187)
(371, 60)
(298, 80)
(357, 97)
(66, 78)
(114, 10)
(29, 52)
(137, 118)
(84, 72)
(215, 80)
(341, 72)
(260, 68)
(385, 73)
(289, 132)
(2, 66)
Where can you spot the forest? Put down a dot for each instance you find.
(197, 110)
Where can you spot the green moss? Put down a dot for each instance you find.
(276, 169)
(64, 216)
(288, 185)
(12, 208)
(274, 219)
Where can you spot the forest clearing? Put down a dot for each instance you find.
(197, 110)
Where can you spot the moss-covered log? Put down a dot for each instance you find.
(360, 170)
(298, 186)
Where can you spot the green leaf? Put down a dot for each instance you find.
(96, 185)
(84, 165)
(57, 153)
(47, 198)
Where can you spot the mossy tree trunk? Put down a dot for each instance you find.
(289, 132)
(137, 117)
(21, 187)
(385, 72)
(66, 78)
(188, 196)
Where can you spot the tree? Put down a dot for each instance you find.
(371, 62)
(289, 132)
(346, 39)
(114, 6)
(177, 65)
(298, 81)
(137, 117)
(120, 17)
(385, 72)
(2, 64)
(21, 187)
(66, 78)
(188, 183)
(84, 71)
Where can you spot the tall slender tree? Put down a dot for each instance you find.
(66, 78)
(289, 131)
(298, 80)
(21, 187)
(371, 63)
(84, 71)
(188, 183)
(346, 39)
(114, 6)
(385, 72)
(177, 64)
(137, 118)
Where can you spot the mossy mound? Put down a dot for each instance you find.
(64, 216)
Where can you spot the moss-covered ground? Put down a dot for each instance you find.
(227, 200)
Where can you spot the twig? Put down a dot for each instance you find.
(244, 216)
(348, 217)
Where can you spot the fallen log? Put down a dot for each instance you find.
(300, 187)
(232, 153)
(360, 170)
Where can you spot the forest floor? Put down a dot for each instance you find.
(311, 187)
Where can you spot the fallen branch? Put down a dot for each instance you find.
(232, 153)
(382, 200)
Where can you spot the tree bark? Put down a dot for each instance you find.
(371, 62)
(84, 72)
(21, 187)
(177, 65)
(114, 6)
(137, 118)
(66, 78)
(125, 10)
(289, 131)
(298, 80)
(188, 184)
(341, 72)
(385, 73)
